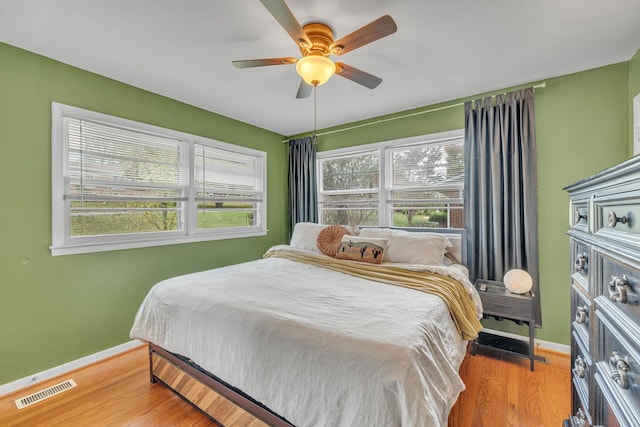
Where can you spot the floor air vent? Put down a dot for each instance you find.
(540, 358)
(44, 394)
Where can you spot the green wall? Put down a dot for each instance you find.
(581, 128)
(57, 309)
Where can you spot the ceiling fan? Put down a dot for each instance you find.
(316, 44)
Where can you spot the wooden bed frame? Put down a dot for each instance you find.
(221, 402)
(224, 404)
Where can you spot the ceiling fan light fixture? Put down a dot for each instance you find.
(315, 69)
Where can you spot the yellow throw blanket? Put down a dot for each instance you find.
(449, 290)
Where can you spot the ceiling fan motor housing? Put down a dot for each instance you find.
(321, 37)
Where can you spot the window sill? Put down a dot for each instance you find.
(84, 248)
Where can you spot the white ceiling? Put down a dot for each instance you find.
(442, 50)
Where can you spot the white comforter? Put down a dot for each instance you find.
(319, 347)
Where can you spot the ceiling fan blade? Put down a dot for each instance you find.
(358, 76)
(371, 32)
(282, 13)
(248, 63)
(304, 90)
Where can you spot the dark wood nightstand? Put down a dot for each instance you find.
(499, 302)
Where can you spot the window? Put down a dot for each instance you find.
(122, 184)
(413, 182)
(350, 188)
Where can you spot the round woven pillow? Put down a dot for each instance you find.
(329, 239)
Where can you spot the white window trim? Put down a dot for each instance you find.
(61, 244)
(384, 220)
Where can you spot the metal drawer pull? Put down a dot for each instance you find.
(577, 216)
(580, 367)
(620, 368)
(614, 219)
(581, 262)
(580, 419)
(581, 314)
(618, 289)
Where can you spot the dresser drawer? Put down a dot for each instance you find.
(581, 263)
(579, 214)
(611, 414)
(581, 312)
(617, 287)
(617, 218)
(617, 363)
(581, 370)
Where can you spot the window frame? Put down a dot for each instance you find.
(385, 217)
(63, 244)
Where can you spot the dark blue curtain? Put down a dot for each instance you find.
(500, 195)
(303, 194)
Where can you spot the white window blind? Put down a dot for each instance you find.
(423, 183)
(226, 183)
(120, 181)
(123, 184)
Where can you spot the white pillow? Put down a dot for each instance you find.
(454, 252)
(382, 232)
(305, 235)
(411, 248)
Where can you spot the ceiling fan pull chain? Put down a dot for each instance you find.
(315, 114)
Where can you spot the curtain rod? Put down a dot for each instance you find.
(404, 116)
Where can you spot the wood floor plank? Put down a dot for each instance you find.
(501, 392)
(115, 392)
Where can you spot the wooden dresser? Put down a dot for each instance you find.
(605, 297)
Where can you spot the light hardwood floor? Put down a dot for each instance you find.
(501, 391)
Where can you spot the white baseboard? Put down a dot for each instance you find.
(548, 345)
(67, 367)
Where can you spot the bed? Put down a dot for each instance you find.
(310, 337)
